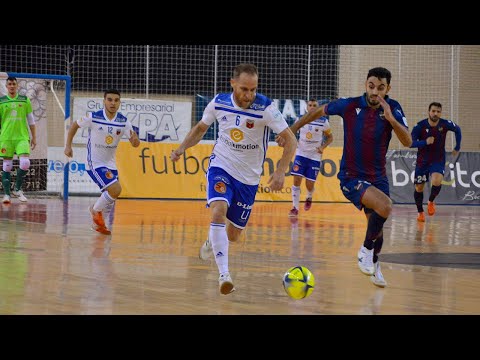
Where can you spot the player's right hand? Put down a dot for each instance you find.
(174, 156)
(430, 140)
(280, 141)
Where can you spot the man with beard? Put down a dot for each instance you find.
(368, 121)
(245, 119)
(429, 137)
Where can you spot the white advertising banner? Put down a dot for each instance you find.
(153, 120)
(78, 179)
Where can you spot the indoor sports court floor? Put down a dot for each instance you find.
(52, 263)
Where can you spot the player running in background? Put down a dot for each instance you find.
(429, 137)
(312, 141)
(105, 129)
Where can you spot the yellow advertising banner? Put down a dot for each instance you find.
(148, 172)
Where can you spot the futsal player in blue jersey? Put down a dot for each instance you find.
(429, 137)
(245, 119)
(368, 122)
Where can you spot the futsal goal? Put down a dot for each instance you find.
(50, 99)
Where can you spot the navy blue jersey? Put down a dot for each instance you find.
(433, 153)
(366, 137)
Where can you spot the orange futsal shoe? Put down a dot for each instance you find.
(421, 217)
(431, 208)
(101, 230)
(97, 217)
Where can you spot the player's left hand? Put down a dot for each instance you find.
(134, 140)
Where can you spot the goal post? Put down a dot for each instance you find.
(52, 118)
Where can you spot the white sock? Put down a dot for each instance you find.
(310, 194)
(107, 211)
(103, 201)
(219, 240)
(296, 196)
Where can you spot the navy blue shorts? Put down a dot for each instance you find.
(422, 174)
(103, 176)
(353, 189)
(305, 167)
(239, 197)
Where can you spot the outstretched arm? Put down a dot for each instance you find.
(290, 144)
(193, 137)
(308, 118)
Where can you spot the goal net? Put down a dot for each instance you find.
(50, 99)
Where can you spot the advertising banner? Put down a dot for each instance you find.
(153, 120)
(460, 185)
(78, 179)
(148, 172)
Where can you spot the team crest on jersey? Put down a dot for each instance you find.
(440, 128)
(236, 135)
(309, 135)
(119, 132)
(316, 130)
(250, 124)
(4, 150)
(220, 187)
(109, 175)
(296, 168)
(108, 139)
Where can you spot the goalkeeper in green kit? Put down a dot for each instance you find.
(15, 118)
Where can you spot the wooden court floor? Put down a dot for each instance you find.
(52, 263)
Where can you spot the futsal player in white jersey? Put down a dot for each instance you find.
(245, 120)
(311, 144)
(105, 129)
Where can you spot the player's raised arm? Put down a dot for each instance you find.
(290, 143)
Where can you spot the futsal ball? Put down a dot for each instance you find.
(298, 282)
